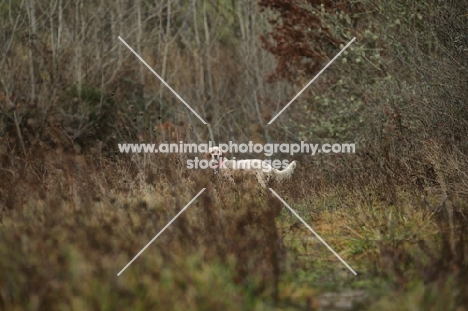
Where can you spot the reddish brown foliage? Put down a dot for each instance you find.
(301, 38)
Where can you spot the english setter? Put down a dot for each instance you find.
(262, 170)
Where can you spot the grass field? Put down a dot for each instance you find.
(235, 248)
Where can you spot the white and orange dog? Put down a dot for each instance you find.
(262, 170)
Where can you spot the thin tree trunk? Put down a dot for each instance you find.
(164, 62)
(77, 52)
(32, 40)
(241, 21)
(18, 131)
(201, 85)
(139, 49)
(166, 45)
(258, 65)
(60, 25)
(207, 49)
(120, 21)
(101, 53)
(52, 38)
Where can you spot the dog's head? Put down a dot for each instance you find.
(214, 153)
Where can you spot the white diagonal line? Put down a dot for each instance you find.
(312, 230)
(162, 80)
(157, 235)
(311, 81)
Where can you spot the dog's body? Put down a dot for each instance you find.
(262, 170)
